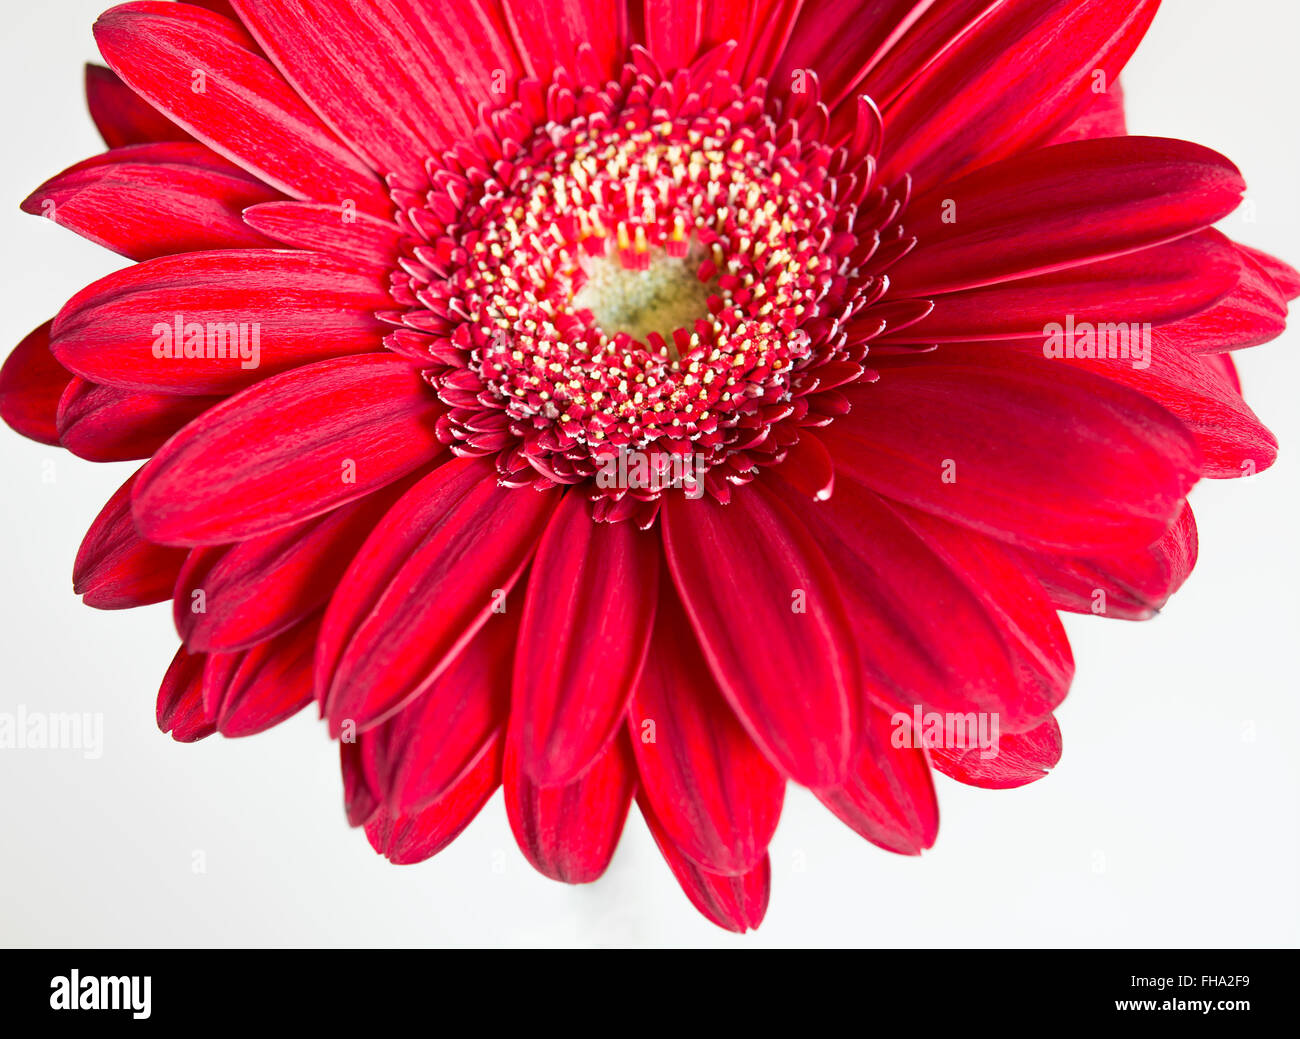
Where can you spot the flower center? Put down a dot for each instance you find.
(666, 295)
(655, 268)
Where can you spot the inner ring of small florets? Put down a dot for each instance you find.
(630, 280)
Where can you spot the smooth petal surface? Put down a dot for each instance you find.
(411, 838)
(122, 116)
(744, 571)
(429, 577)
(892, 575)
(1132, 585)
(109, 424)
(331, 230)
(712, 790)
(1021, 758)
(569, 833)
(180, 699)
(889, 796)
(31, 384)
(1160, 285)
(424, 750)
(1029, 450)
(1008, 84)
(115, 568)
(154, 199)
(587, 618)
(374, 75)
(214, 322)
(359, 423)
(1062, 206)
(250, 691)
(240, 107)
(734, 903)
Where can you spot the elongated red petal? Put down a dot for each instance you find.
(419, 835)
(892, 574)
(554, 35)
(199, 69)
(1156, 286)
(180, 699)
(154, 199)
(109, 424)
(250, 691)
(1133, 585)
(1028, 450)
(425, 749)
(332, 230)
(1008, 84)
(889, 796)
(360, 423)
(375, 78)
(587, 618)
(1021, 758)
(262, 586)
(569, 833)
(1062, 206)
(1232, 440)
(1253, 312)
(735, 903)
(712, 790)
(213, 322)
(115, 568)
(445, 556)
(31, 384)
(122, 116)
(767, 612)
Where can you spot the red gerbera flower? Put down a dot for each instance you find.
(658, 401)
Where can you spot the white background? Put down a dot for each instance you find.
(1171, 821)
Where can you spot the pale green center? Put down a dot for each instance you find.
(667, 295)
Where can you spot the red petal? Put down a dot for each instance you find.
(426, 580)
(1008, 84)
(715, 794)
(1253, 312)
(891, 575)
(1021, 758)
(1232, 440)
(1102, 115)
(586, 625)
(331, 230)
(1060, 207)
(180, 699)
(1027, 450)
(291, 308)
(406, 839)
(266, 584)
(1159, 285)
(122, 116)
(31, 384)
(1284, 276)
(569, 833)
(889, 796)
(360, 803)
(357, 424)
(734, 903)
(115, 568)
(244, 111)
(1130, 586)
(154, 199)
(425, 749)
(108, 424)
(552, 35)
(743, 570)
(375, 76)
(250, 691)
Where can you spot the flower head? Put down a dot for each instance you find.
(658, 401)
